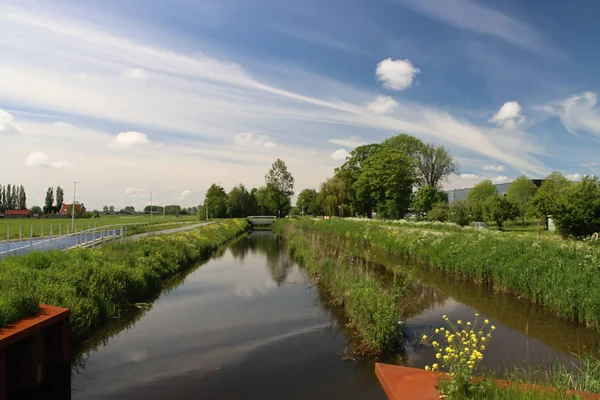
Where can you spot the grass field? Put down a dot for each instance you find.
(24, 227)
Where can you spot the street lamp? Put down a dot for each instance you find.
(73, 206)
(340, 213)
(303, 208)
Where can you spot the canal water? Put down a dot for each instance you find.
(248, 324)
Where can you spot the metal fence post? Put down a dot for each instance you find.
(51, 228)
(59, 229)
(7, 239)
(31, 235)
(20, 232)
(42, 231)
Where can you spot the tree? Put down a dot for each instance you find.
(520, 193)
(36, 210)
(14, 198)
(477, 197)
(333, 193)
(2, 198)
(22, 198)
(549, 196)
(269, 200)
(406, 144)
(498, 208)
(439, 212)
(281, 181)
(578, 209)
(237, 202)
(350, 171)
(59, 197)
(112, 208)
(252, 205)
(387, 178)
(216, 201)
(49, 201)
(458, 213)
(434, 165)
(307, 202)
(105, 209)
(425, 198)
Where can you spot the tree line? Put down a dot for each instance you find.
(12, 197)
(382, 178)
(50, 207)
(274, 198)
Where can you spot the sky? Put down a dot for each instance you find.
(132, 97)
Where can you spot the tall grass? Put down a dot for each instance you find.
(97, 284)
(370, 306)
(562, 276)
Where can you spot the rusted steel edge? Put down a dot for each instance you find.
(404, 383)
(48, 315)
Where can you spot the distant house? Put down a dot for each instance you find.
(18, 214)
(66, 209)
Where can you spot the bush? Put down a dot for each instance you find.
(499, 209)
(458, 213)
(439, 212)
(578, 213)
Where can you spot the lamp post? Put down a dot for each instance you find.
(73, 207)
(340, 213)
(302, 208)
(151, 211)
(206, 207)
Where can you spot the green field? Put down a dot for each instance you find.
(24, 227)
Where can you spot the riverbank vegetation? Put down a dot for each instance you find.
(98, 284)
(371, 306)
(560, 275)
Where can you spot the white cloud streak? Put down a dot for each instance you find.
(470, 176)
(340, 154)
(130, 139)
(40, 160)
(495, 168)
(136, 74)
(352, 141)
(249, 139)
(382, 105)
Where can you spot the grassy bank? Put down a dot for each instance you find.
(561, 275)
(97, 284)
(370, 306)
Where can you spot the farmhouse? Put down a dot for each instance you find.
(66, 209)
(18, 214)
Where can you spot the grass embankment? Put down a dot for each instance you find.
(563, 276)
(26, 226)
(371, 307)
(97, 284)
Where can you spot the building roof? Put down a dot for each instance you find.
(17, 212)
(65, 208)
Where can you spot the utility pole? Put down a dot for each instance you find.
(302, 207)
(73, 206)
(340, 211)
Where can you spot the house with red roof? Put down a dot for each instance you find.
(18, 214)
(66, 209)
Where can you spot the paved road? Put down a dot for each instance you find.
(20, 247)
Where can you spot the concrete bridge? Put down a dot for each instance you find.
(261, 220)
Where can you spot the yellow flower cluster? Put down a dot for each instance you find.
(461, 346)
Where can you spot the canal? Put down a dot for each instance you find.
(247, 324)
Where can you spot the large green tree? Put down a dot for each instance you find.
(269, 200)
(434, 165)
(307, 202)
(388, 178)
(425, 198)
(477, 197)
(577, 212)
(237, 202)
(49, 201)
(549, 196)
(216, 201)
(281, 181)
(520, 193)
(333, 195)
(60, 197)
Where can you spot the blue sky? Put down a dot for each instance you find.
(133, 96)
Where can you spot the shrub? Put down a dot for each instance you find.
(458, 213)
(578, 212)
(439, 212)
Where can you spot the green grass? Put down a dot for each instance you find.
(564, 276)
(25, 226)
(98, 284)
(370, 306)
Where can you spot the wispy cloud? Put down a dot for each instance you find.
(382, 105)
(470, 176)
(475, 17)
(340, 154)
(135, 74)
(501, 179)
(352, 141)
(577, 113)
(40, 159)
(495, 168)
(319, 38)
(249, 139)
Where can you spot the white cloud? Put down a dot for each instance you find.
(340, 154)
(382, 105)
(495, 168)
(40, 159)
(501, 179)
(132, 190)
(8, 125)
(591, 164)
(578, 113)
(470, 176)
(509, 115)
(130, 139)
(136, 74)
(249, 139)
(62, 125)
(185, 194)
(396, 74)
(352, 141)
(573, 177)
